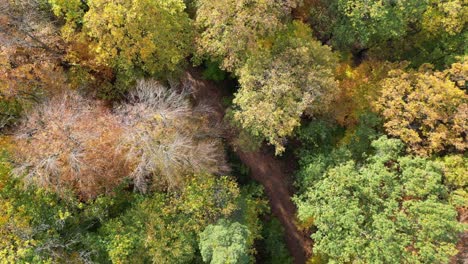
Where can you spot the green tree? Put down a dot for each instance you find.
(440, 37)
(163, 228)
(285, 76)
(428, 31)
(365, 23)
(392, 209)
(229, 28)
(225, 243)
(72, 12)
(455, 169)
(38, 226)
(273, 237)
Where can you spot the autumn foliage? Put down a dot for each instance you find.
(165, 138)
(427, 109)
(69, 143)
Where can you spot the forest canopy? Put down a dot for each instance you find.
(233, 131)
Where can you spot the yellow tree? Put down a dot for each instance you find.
(151, 35)
(427, 110)
(359, 87)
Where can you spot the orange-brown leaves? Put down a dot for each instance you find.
(70, 143)
(358, 89)
(26, 72)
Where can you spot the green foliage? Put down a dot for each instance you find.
(37, 226)
(325, 144)
(455, 169)
(72, 11)
(273, 235)
(287, 75)
(428, 31)
(391, 209)
(163, 228)
(442, 36)
(225, 243)
(368, 129)
(364, 198)
(10, 112)
(320, 149)
(368, 22)
(213, 72)
(252, 205)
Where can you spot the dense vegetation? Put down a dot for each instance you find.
(116, 148)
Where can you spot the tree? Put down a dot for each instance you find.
(391, 209)
(72, 12)
(153, 36)
(368, 22)
(455, 169)
(426, 109)
(274, 238)
(163, 228)
(27, 75)
(166, 139)
(287, 75)
(60, 146)
(26, 23)
(29, 58)
(442, 37)
(224, 243)
(230, 28)
(39, 226)
(359, 87)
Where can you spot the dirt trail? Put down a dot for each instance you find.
(265, 169)
(270, 173)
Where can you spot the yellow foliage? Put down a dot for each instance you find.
(358, 88)
(426, 109)
(154, 35)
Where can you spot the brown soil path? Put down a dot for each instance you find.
(269, 171)
(264, 168)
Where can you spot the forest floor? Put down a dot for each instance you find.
(264, 168)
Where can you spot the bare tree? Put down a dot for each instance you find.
(27, 23)
(165, 138)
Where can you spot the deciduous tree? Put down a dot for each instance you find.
(285, 76)
(229, 28)
(427, 109)
(392, 209)
(163, 228)
(166, 139)
(60, 146)
(225, 243)
(152, 35)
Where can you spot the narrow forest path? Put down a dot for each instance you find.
(264, 168)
